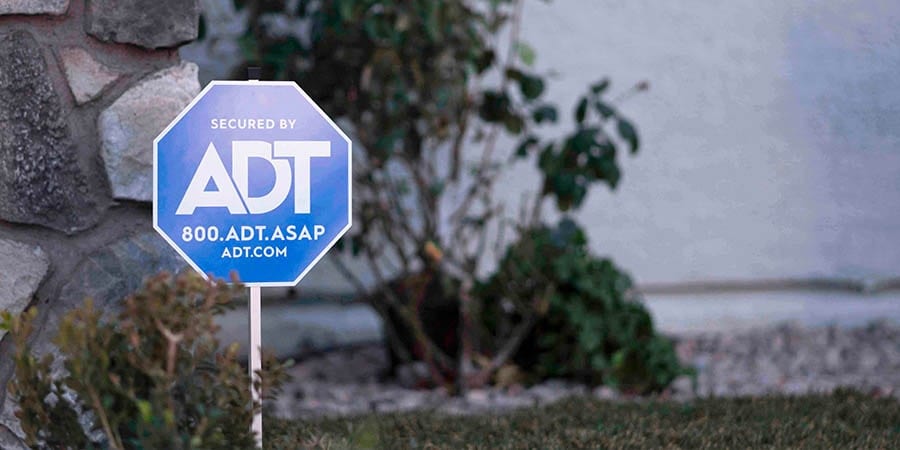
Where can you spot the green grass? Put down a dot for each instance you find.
(845, 419)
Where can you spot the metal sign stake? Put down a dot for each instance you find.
(255, 334)
(266, 225)
(255, 361)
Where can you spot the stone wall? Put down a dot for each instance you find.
(85, 86)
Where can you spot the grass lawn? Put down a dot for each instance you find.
(843, 420)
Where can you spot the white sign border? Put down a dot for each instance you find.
(309, 99)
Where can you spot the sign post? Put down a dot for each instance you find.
(255, 360)
(254, 178)
(254, 365)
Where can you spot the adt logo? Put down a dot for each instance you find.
(252, 177)
(212, 169)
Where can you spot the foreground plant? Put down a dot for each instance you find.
(151, 376)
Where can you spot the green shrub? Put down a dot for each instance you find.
(424, 85)
(150, 377)
(590, 325)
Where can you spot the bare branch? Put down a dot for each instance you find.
(408, 316)
(514, 341)
(484, 181)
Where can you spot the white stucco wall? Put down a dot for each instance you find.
(771, 133)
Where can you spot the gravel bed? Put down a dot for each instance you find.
(787, 359)
(792, 360)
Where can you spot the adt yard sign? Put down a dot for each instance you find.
(252, 177)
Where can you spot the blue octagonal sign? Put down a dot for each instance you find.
(252, 177)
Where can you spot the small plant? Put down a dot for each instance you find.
(588, 324)
(151, 377)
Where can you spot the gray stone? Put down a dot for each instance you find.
(549, 391)
(87, 78)
(111, 273)
(605, 393)
(54, 7)
(9, 441)
(147, 23)
(11, 433)
(40, 180)
(128, 126)
(22, 268)
(478, 397)
(107, 276)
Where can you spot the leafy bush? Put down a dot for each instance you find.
(590, 325)
(152, 377)
(430, 90)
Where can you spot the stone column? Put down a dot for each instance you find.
(85, 86)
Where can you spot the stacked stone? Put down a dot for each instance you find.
(85, 87)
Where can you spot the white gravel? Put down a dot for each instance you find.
(787, 359)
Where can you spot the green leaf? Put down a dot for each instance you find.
(532, 87)
(524, 146)
(526, 53)
(581, 110)
(6, 320)
(279, 54)
(618, 358)
(494, 106)
(432, 21)
(629, 134)
(371, 29)
(544, 113)
(590, 339)
(248, 46)
(604, 109)
(605, 169)
(437, 187)
(514, 124)
(547, 340)
(169, 417)
(564, 186)
(546, 158)
(345, 9)
(484, 61)
(145, 410)
(600, 86)
(599, 362)
(583, 139)
(356, 245)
